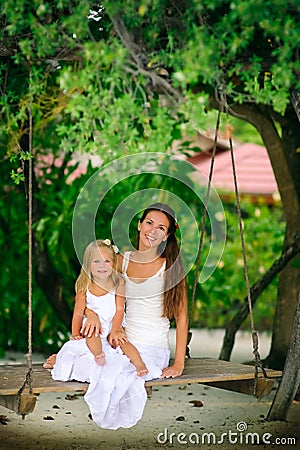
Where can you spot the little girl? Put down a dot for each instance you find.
(100, 288)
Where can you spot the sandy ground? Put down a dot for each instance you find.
(172, 416)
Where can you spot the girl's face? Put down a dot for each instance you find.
(153, 230)
(101, 263)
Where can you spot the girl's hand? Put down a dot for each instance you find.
(77, 337)
(92, 325)
(116, 338)
(172, 371)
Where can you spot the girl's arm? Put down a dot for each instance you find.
(181, 341)
(78, 313)
(117, 321)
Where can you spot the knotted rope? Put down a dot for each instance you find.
(28, 377)
(258, 363)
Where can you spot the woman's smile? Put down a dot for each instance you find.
(156, 236)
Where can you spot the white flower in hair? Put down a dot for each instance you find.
(114, 247)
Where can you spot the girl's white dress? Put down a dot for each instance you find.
(116, 395)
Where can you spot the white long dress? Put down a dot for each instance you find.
(116, 395)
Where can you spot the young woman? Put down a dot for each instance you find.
(155, 292)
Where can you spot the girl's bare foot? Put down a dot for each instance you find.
(100, 359)
(141, 369)
(49, 364)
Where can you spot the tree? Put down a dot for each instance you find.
(291, 375)
(123, 77)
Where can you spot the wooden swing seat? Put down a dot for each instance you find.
(213, 372)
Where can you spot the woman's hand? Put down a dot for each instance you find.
(172, 371)
(181, 341)
(92, 325)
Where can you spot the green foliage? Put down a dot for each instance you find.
(219, 298)
(96, 95)
(53, 232)
(216, 300)
(89, 88)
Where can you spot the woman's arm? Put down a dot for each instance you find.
(92, 325)
(181, 341)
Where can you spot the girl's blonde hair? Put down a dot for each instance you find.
(84, 279)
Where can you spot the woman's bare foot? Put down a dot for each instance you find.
(49, 364)
(100, 359)
(141, 369)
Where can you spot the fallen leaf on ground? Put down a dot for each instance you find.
(196, 403)
(3, 419)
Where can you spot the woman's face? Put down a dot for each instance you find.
(153, 230)
(101, 263)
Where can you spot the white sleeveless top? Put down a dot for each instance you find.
(144, 308)
(105, 307)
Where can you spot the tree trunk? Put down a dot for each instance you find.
(51, 284)
(291, 375)
(255, 291)
(284, 315)
(289, 281)
(285, 160)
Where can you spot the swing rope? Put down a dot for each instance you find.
(202, 231)
(30, 173)
(258, 364)
(28, 377)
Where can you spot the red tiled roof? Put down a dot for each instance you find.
(253, 170)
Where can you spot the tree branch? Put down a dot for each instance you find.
(141, 59)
